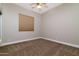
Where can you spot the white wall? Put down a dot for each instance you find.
(0, 25)
(11, 24)
(0, 28)
(62, 24)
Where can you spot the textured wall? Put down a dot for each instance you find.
(11, 23)
(62, 23)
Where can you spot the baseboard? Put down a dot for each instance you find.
(65, 43)
(8, 43)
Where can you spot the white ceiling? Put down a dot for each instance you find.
(28, 6)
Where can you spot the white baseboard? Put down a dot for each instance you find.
(8, 43)
(65, 43)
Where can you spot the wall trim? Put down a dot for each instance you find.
(65, 43)
(14, 42)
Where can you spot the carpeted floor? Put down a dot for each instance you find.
(39, 47)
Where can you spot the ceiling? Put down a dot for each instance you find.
(28, 6)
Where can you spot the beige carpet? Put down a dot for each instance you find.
(38, 47)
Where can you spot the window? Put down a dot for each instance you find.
(26, 23)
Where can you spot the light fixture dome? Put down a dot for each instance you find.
(39, 5)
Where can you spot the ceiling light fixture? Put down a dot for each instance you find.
(39, 5)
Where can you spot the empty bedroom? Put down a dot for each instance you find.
(39, 29)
